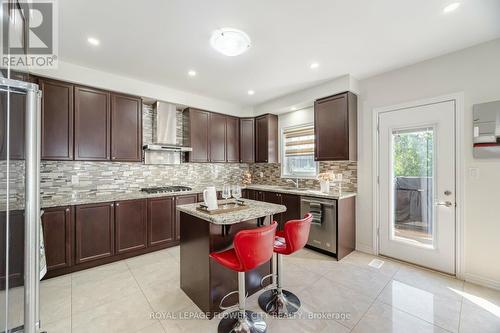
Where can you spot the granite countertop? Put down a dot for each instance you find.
(256, 209)
(302, 191)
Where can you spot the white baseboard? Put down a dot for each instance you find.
(485, 282)
(364, 248)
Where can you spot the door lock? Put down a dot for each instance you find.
(447, 192)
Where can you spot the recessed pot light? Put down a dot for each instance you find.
(251, 92)
(230, 42)
(93, 41)
(451, 7)
(192, 73)
(293, 108)
(314, 65)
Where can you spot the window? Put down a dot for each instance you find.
(297, 152)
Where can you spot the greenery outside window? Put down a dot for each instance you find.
(297, 152)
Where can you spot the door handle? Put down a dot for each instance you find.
(445, 203)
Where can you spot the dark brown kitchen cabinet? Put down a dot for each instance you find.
(196, 134)
(182, 200)
(232, 139)
(92, 124)
(130, 225)
(17, 115)
(292, 204)
(57, 224)
(275, 198)
(249, 194)
(161, 221)
(247, 140)
(57, 120)
(94, 232)
(266, 139)
(126, 128)
(335, 127)
(217, 137)
(16, 249)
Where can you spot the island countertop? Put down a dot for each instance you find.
(256, 209)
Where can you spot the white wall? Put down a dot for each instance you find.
(475, 72)
(306, 97)
(104, 80)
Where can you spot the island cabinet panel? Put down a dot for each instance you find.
(57, 224)
(196, 134)
(275, 198)
(292, 204)
(15, 254)
(335, 127)
(266, 139)
(92, 124)
(126, 128)
(247, 140)
(130, 225)
(232, 139)
(94, 232)
(182, 200)
(217, 137)
(161, 221)
(57, 120)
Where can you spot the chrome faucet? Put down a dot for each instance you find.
(294, 182)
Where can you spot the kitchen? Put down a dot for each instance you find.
(217, 190)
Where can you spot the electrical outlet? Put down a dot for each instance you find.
(261, 174)
(75, 180)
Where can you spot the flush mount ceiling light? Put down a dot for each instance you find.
(251, 92)
(192, 73)
(451, 7)
(230, 42)
(93, 41)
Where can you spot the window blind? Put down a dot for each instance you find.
(299, 141)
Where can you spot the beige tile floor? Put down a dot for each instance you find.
(120, 297)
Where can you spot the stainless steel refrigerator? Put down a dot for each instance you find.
(19, 201)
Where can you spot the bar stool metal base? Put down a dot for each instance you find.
(251, 322)
(278, 304)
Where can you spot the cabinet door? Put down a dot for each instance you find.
(94, 232)
(57, 224)
(126, 128)
(182, 200)
(161, 221)
(232, 139)
(16, 125)
(292, 204)
(247, 140)
(16, 249)
(92, 124)
(335, 127)
(217, 137)
(274, 198)
(130, 225)
(57, 120)
(197, 133)
(250, 194)
(266, 139)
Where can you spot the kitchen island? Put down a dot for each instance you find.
(203, 280)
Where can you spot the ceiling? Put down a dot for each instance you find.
(159, 41)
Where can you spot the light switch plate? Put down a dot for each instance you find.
(474, 173)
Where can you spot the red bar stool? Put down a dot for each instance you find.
(279, 302)
(251, 248)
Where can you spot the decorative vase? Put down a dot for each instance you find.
(324, 186)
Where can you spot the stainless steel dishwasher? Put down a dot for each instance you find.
(323, 234)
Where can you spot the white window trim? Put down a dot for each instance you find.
(282, 155)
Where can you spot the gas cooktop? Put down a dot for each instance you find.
(164, 189)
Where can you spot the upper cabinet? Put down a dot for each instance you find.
(232, 139)
(247, 140)
(126, 128)
(217, 137)
(92, 124)
(335, 128)
(57, 120)
(86, 124)
(196, 134)
(266, 139)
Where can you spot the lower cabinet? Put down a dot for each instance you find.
(94, 232)
(57, 224)
(292, 203)
(182, 200)
(16, 249)
(161, 221)
(131, 225)
(275, 198)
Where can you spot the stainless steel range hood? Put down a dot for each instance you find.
(165, 136)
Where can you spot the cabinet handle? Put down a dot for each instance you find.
(117, 204)
(111, 205)
(67, 209)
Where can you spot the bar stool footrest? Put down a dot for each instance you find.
(251, 322)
